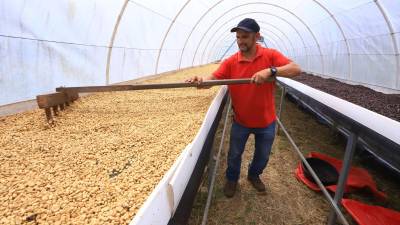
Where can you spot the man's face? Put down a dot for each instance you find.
(245, 40)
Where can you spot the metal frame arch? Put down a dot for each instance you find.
(265, 23)
(271, 41)
(266, 33)
(394, 42)
(167, 33)
(201, 18)
(315, 1)
(254, 12)
(217, 53)
(246, 14)
(218, 44)
(226, 51)
(261, 21)
(273, 5)
(278, 40)
(270, 33)
(341, 31)
(226, 37)
(223, 37)
(110, 46)
(194, 27)
(115, 30)
(396, 48)
(281, 32)
(269, 30)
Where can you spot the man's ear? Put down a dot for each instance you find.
(258, 35)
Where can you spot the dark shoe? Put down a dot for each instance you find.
(230, 188)
(257, 183)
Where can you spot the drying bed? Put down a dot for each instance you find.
(385, 104)
(102, 156)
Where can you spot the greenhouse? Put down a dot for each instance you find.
(200, 112)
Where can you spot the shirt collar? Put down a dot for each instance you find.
(258, 54)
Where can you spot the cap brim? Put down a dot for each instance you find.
(241, 28)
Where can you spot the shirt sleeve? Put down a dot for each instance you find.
(278, 59)
(223, 71)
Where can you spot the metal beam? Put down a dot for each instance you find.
(260, 22)
(166, 35)
(342, 32)
(282, 33)
(263, 34)
(268, 34)
(230, 46)
(194, 27)
(264, 13)
(394, 42)
(269, 4)
(111, 44)
(344, 173)
(332, 203)
(220, 28)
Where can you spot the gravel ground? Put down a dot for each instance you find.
(102, 157)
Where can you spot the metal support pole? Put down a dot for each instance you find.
(230, 46)
(331, 202)
(215, 168)
(283, 93)
(111, 44)
(348, 157)
(210, 169)
(265, 43)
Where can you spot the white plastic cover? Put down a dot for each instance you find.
(45, 44)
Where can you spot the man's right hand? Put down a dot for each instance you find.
(199, 80)
(195, 79)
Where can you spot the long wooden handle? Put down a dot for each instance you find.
(86, 89)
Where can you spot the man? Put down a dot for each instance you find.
(253, 105)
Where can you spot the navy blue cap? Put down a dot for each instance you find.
(249, 25)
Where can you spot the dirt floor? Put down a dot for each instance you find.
(287, 201)
(385, 104)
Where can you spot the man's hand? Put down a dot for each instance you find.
(261, 76)
(289, 70)
(195, 79)
(199, 80)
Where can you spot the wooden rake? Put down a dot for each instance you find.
(64, 96)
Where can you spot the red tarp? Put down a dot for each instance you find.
(358, 178)
(371, 215)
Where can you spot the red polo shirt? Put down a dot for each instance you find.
(254, 105)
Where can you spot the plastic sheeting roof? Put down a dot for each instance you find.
(45, 44)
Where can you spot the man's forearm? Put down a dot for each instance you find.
(289, 70)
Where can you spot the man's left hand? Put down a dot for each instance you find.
(261, 76)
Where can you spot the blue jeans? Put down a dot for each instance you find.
(264, 138)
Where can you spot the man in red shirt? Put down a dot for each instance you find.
(253, 104)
